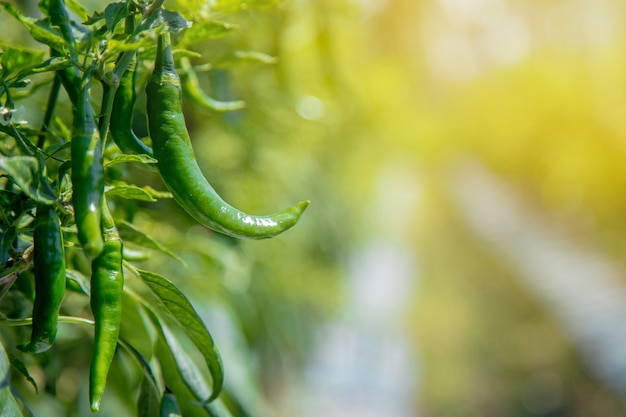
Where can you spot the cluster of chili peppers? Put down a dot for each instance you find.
(95, 226)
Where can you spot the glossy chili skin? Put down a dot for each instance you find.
(87, 173)
(49, 268)
(121, 125)
(107, 284)
(179, 169)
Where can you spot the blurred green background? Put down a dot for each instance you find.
(463, 254)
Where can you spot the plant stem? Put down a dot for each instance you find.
(69, 76)
(52, 101)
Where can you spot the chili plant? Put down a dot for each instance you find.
(68, 196)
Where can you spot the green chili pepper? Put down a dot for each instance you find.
(107, 283)
(87, 172)
(121, 125)
(193, 91)
(179, 169)
(169, 406)
(49, 266)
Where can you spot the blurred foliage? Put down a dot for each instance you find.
(535, 91)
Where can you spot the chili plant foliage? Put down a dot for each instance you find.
(68, 196)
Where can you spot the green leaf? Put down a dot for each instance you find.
(183, 312)
(62, 130)
(235, 5)
(19, 365)
(174, 381)
(53, 64)
(21, 84)
(132, 192)
(78, 282)
(25, 172)
(174, 21)
(143, 362)
(8, 198)
(8, 405)
(187, 371)
(40, 30)
(144, 159)
(115, 47)
(244, 58)
(63, 170)
(113, 13)
(15, 59)
(148, 403)
(7, 238)
(128, 232)
(202, 31)
(78, 9)
(134, 255)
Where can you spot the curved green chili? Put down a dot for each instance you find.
(107, 284)
(87, 172)
(121, 125)
(179, 169)
(49, 267)
(193, 91)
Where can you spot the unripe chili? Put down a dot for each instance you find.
(179, 169)
(49, 268)
(87, 172)
(107, 284)
(121, 125)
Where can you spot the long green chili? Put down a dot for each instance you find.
(179, 169)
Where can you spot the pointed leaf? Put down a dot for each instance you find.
(175, 22)
(143, 362)
(192, 377)
(78, 9)
(234, 5)
(8, 405)
(148, 403)
(243, 58)
(53, 64)
(202, 31)
(40, 30)
(24, 171)
(78, 282)
(130, 233)
(15, 59)
(132, 255)
(183, 312)
(174, 381)
(187, 371)
(144, 159)
(132, 192)
(19, 365)
(117, 46)
(113, 13)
